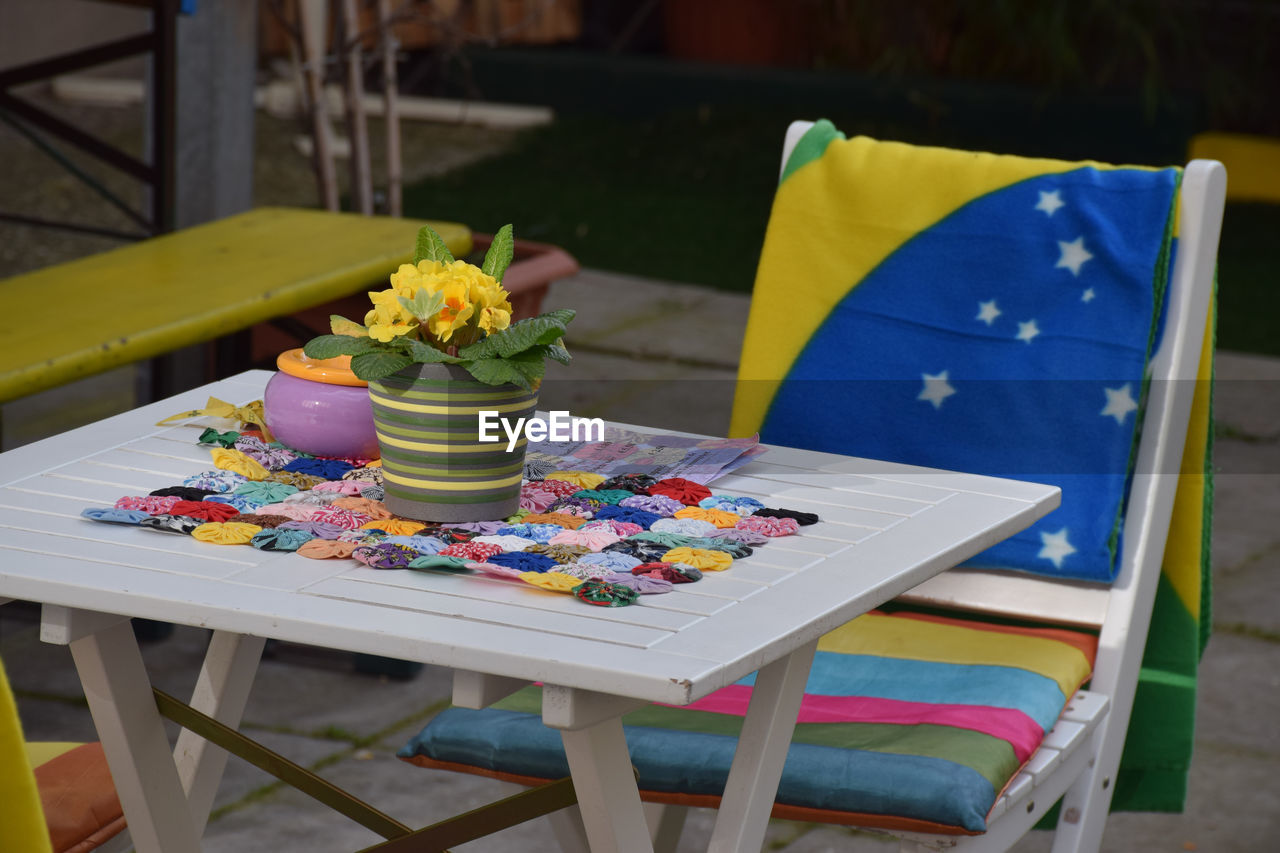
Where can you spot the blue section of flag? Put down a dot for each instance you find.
(1011, 338)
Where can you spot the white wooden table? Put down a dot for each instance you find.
(884, 529)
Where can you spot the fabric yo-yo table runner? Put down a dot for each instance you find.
(604, 540)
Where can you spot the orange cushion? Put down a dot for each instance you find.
(79, 799)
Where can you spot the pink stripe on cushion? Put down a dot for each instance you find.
(1015, 727)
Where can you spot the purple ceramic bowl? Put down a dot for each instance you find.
(319, 418)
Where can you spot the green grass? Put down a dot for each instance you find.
(686, 197)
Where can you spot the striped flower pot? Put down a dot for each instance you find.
(435, 468)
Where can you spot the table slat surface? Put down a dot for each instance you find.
(884, 528)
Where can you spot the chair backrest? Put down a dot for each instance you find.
(23, 826)
(1122, 610)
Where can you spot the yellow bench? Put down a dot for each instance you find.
(1253, 163)
(87, 316)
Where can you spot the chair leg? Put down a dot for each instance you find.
(1085, 806)
(666, 823)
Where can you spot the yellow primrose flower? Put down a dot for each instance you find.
(494, 319)
(455, 314)
(387, 332)
(406, 279)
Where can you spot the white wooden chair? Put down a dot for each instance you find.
(1079, 759)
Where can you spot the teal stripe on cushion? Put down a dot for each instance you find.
(696, 763)
(836, 674)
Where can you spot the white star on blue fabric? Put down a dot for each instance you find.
(1056, 547)
(936, 388)
(1088, 295)
(1050, 202)
(1028, 330)
(1120, 403)
(988, 312)
(1074, 254)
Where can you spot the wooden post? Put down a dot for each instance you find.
(357, 126)
(391, 108)
(312, 22)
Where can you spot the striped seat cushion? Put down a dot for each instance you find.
(909, 721)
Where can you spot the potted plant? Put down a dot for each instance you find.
(438, 348)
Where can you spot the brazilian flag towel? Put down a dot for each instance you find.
(994, 315)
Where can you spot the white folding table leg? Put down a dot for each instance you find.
(124, 711)
(606, 788)
(762, 750)
(221, 691)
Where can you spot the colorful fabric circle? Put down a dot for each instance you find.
(686, 491)
(584, 508)
(366, 474)
(668, 572)
(718, 517)
(605, 594)
(583, 571)
(737, 550)
(683, 526)
(185, 493)
(115, 516)
(427, 545)
(477, 551)
(326, 549)
(362, 537)
(767, 526)
(582, 479)
(480, 528)
(315, 528)
(602, 497)
(622, 529)
(554, 581)
(215, 481)
(439, 563)
(395, 526)
(559, 519)
(671, 540)
(373, 509)
(737, 534)
(523, 562)
(222, 439)
(731, 503)
(537, 499)
(352, 488)
(344, 518)
(225, 533)
(240, 502)
(539, 533)
(506, 543)
(559, 553)
(238, 463)
(700, 558)
(302, 482)
(206, 510)
(154, 506)
(628, 515)
(280, 540)
(647, 552)
(385, 556)
(560, 488)
(643, 584)
(330, 469)
(497, 570)
(292, 511)
(614, 561)
(265, 491)
(634, 483)
(180, 524)
(313, 497)
(804, 519)
(265, 521)
(592, 540)
(374, 493)
(659, 505)
(537, 469)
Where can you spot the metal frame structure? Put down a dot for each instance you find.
(158, 175)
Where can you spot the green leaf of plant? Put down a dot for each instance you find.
(500, 253)
(559, 352)
(332, 346)
(427, 354)
(340, 325)
(497, 371)
(431, 247)
(372, 366)
(518, 337)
